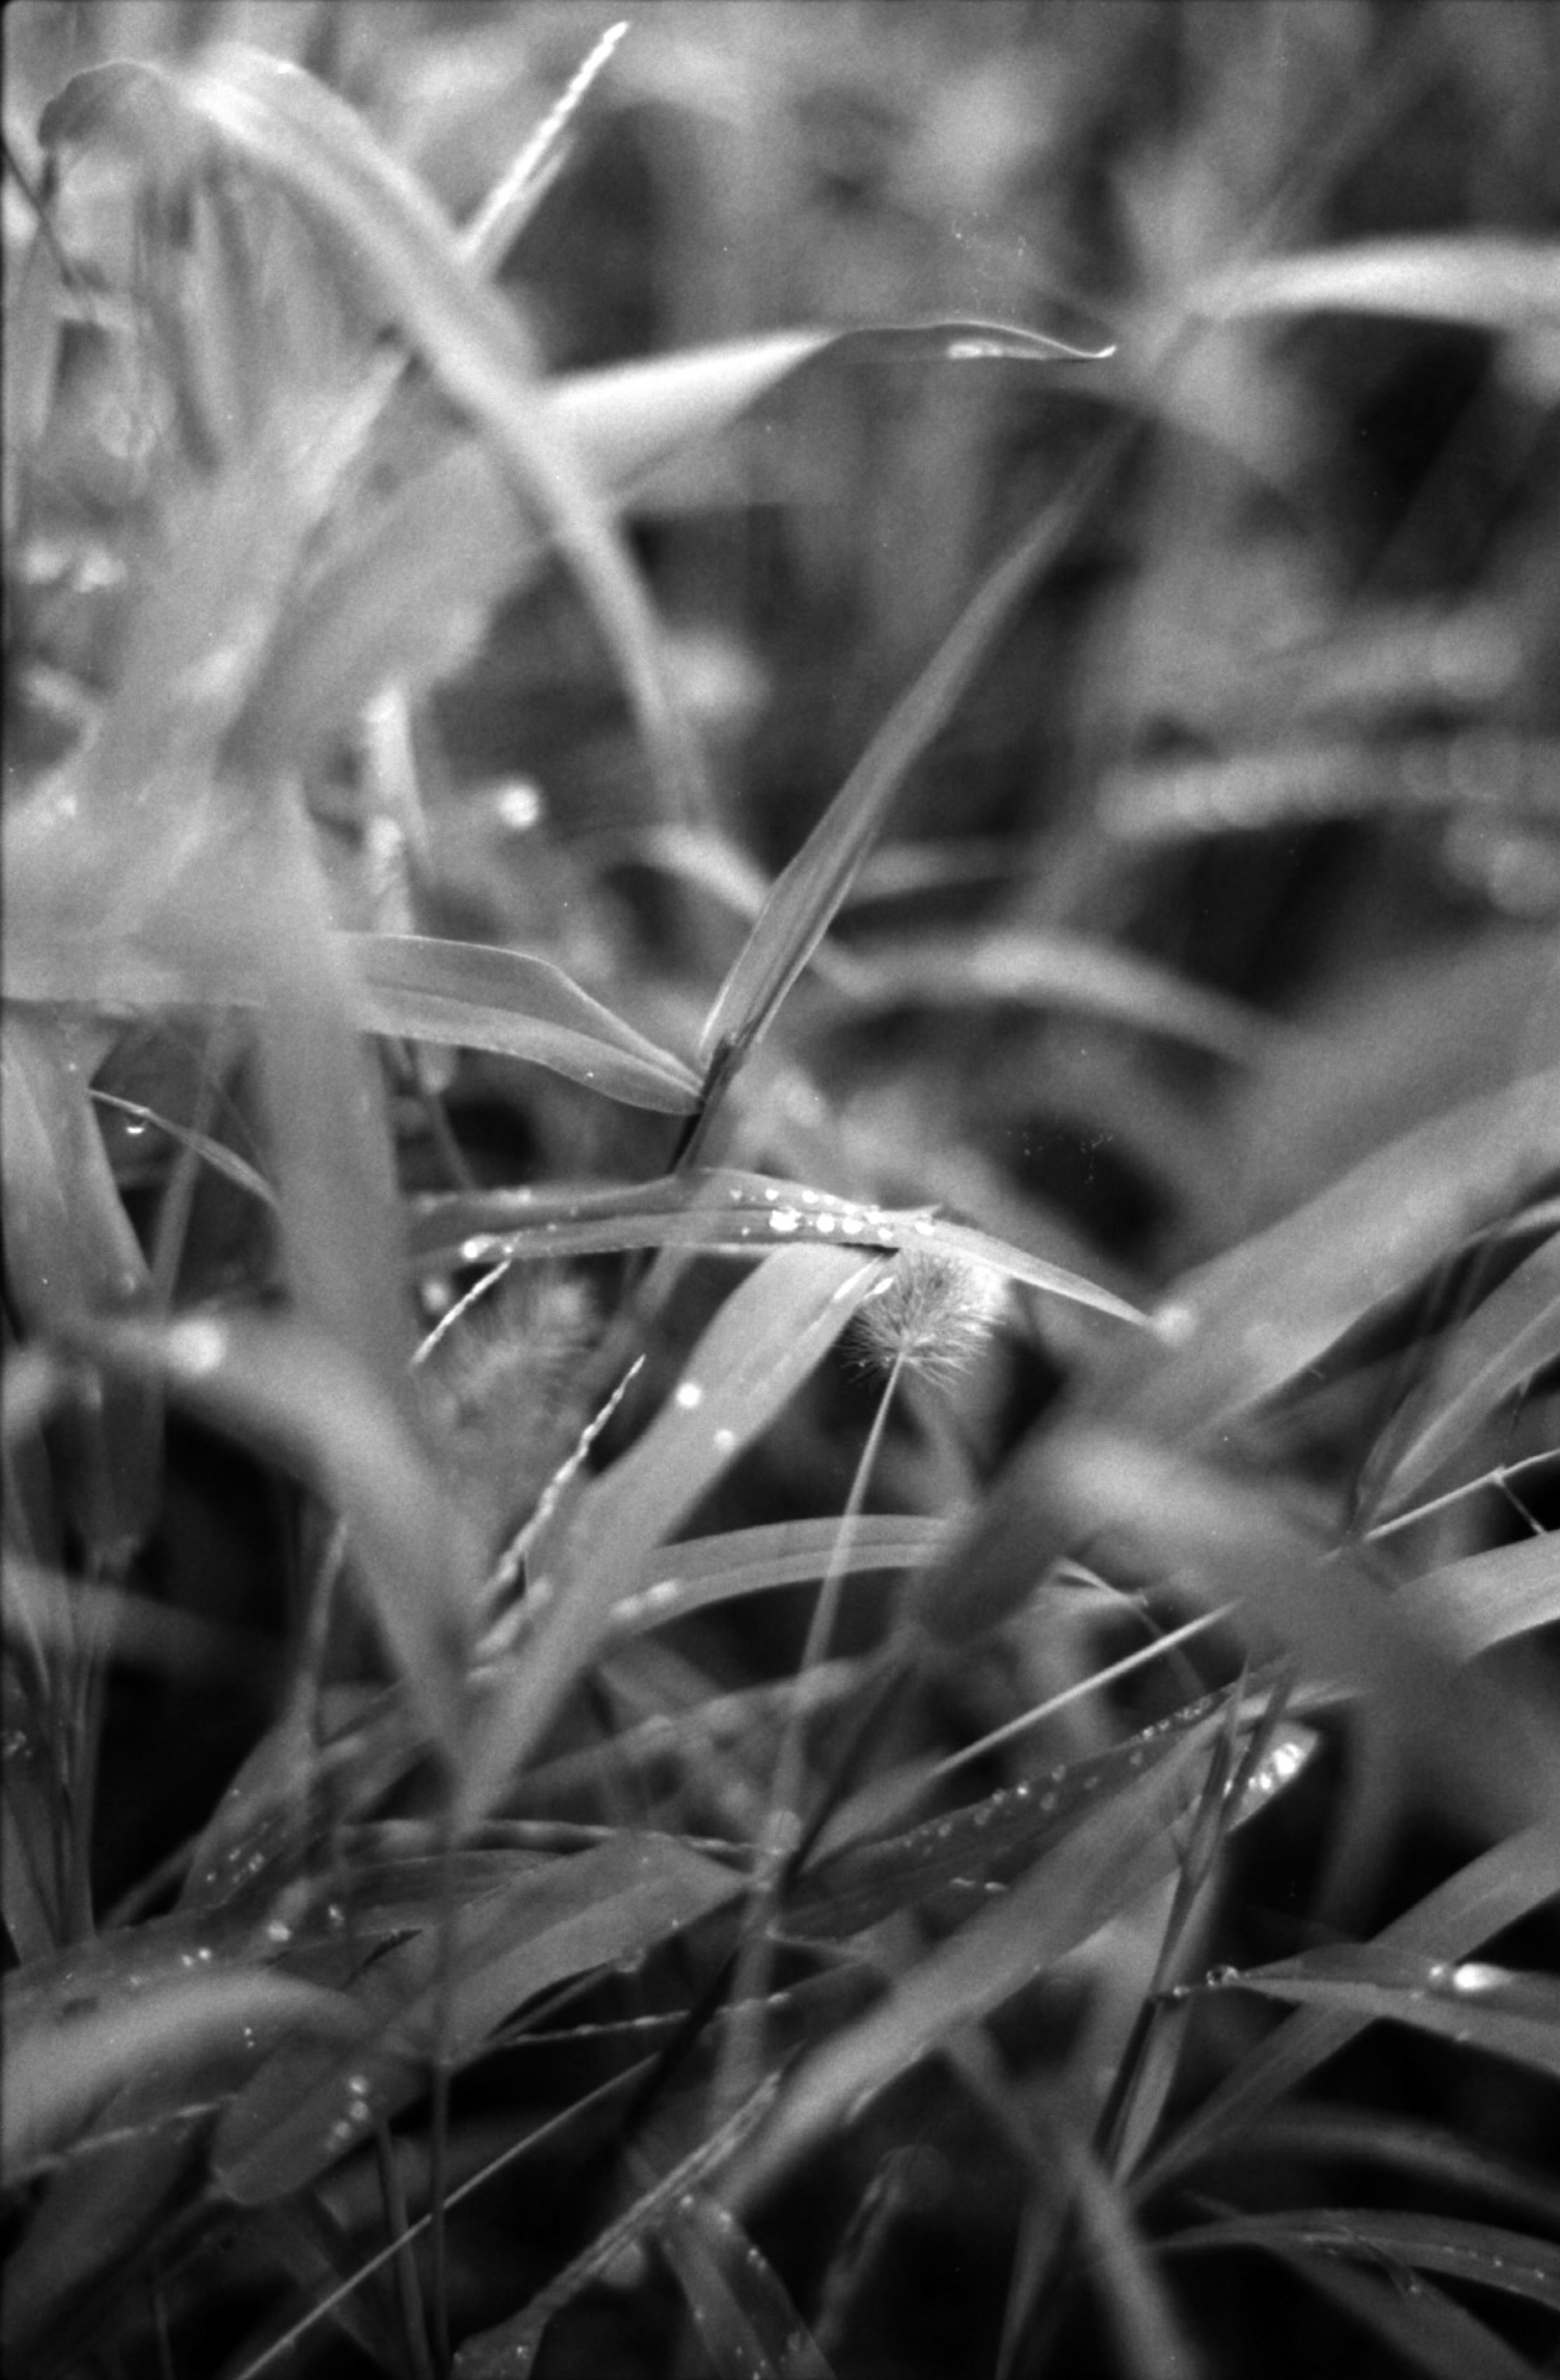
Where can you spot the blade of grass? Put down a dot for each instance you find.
(1099, 1868)
(1469, 2001)
(768, 1337)
(806, 899)
(1493, 1891)
(717, 1209)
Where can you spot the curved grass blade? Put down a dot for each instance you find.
(702, 1571)
(70, 1251)
(718, 1209)
(1066, 972)
(1510, 2261)
(507, 2351)
(1250, 1321)
(296, 1393)
(808, 895)
(1430, 2330)
(992, 1840)
(1490, 282)
(625, 418)
(1477, 1744)
(418, 988)
(766, 1338)
(404, 585)
(746, 2323)
(1485, 1599)
(59, 2075)
(392, 236)
(305, 2110)
(1514, 1333)
(1498, 1889)
(214, 1153)
(1469, 2001)
(477, 997)
(1431, 2157)
(1099, 1868)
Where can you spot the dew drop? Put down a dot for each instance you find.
(823, 1223)
(198, 1346)
(1475, 1976)
(689, 1396)
(1220, 1976)
(725, 1440)
(785, 1220)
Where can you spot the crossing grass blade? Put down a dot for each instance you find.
(306, 2109)
(1253, 1318)
(720, 1209)
(1503, 1886)
(1469, 2001)
(296, 1394)
(1514, 1334)
(389, 235)
(1098, 1869)
(769, 1335)
(1485, 1599)
(1490, 282)
(807, 896)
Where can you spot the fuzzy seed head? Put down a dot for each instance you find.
(934, 1311)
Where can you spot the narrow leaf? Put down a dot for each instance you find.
(1498, 1889)
(1099, 1868)
(1250, 1321)
(701, 1570)
(1066, 972)
(297, 1394)
(506, 2352)
(989, 1841)
(746, 2323)
(480, 998)
(1510, 2260)
(1514, 1333)
(305, 2110)
(807, 896)
(1485, 1599)
(717, 1209)
(58, 2075)
(1489, 281)
(624, 419)
(762, 1343)
(1469, 2001)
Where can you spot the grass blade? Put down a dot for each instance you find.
(1485, 1599)
(1510, 2261)
(480, 998)
(1490, 282)
(768, 1337)
(807, 896)
(1470, 2002)
(718, 1209)
(305, 2110)
(701, 1570)
(1499, 1888)
(1255, 1318)
(1100, 1868)
(297, 1394)
(1512, 1335)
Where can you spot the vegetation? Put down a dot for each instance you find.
(782, 1142)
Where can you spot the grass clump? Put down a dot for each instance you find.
(780, 1138)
